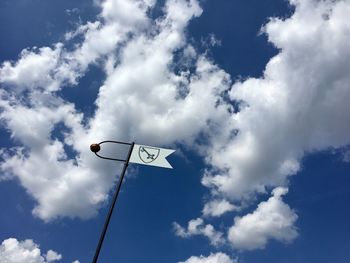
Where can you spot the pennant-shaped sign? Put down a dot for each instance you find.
(149, 155)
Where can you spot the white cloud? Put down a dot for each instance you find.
(34, 69)
(119, 11)
(273, 219)
(218, 207)
(297, 107)
(14, 251)
(49, 69)
(43, 166)
(141, 94)
(52, 256)
(197, 227)
(212, 258)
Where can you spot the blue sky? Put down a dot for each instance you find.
(252, 95)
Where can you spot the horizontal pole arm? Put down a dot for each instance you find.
(96, 147)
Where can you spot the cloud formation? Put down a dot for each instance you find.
(217, 208)
(52, 163)
(212, 258)
(295, 108)
(141, 93)
(14, 251)
(273, 219)
(197, 227)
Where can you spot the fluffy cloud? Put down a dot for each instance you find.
(141, 94)
(51, 68)
(212, 258)
(197, 227)
(14, 251)
(218, 207)
(120, 10)
(272, 219)
(52, 162)
(295, 108)
(34, 69)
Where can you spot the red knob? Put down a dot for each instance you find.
(95, 147)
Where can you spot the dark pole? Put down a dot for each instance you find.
(104, 230)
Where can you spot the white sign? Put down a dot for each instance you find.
(149, 155)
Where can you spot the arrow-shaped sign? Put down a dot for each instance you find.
(149, 155)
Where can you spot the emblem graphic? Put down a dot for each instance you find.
(148, 154)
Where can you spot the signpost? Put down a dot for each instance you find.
(140, 154)
(148, 155)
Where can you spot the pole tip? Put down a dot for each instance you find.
(95, 147)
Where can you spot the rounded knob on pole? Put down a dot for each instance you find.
(95, 147)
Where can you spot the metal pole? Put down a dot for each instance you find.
(104, 230)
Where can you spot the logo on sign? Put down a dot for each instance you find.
(148, 154)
